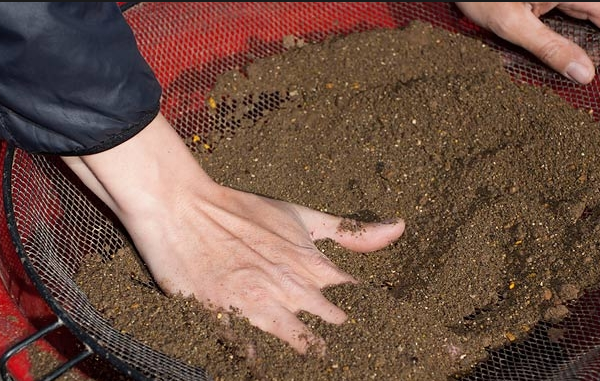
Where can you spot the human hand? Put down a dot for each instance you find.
(230, 249)
(257, 255)
(519, 23)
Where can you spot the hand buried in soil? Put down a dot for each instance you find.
(257, 255)
(519, 23)
(232, 250)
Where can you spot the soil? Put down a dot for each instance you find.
(497, 181)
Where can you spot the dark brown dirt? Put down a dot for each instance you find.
(497, 182)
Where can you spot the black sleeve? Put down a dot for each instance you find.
(72, 80)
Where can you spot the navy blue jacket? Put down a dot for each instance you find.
(72, 80)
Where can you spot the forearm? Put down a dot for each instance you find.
(143, 175)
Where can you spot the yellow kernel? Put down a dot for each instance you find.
(195, 138)
(511, 285)
(206, 146)
(510, 336)
(212, 103)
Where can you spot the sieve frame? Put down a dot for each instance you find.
(61, 314)
(63, 318)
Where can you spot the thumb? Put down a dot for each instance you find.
(558, 52)
(351, 234)
(555, 50)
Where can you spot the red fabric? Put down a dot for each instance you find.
(13, 327)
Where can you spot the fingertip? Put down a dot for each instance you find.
(579, 73)
(337, 317)
(366, 237)
(288, 328)
(307, 343)
(317, 347)
(399, 226)
(395, 228)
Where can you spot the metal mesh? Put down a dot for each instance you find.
(56, 222)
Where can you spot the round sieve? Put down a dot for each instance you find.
(54, 221)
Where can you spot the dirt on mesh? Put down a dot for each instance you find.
(497, 182)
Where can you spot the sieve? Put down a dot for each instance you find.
(53, 221)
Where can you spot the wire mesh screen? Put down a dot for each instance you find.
(56, 222)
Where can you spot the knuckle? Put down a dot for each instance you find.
(287, 277)
(550, 50)
(319, 260)
(255, 292)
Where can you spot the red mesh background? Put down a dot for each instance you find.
(189, 45)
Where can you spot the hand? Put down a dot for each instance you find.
(519, 23)
(229, 248)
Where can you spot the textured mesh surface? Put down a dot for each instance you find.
(56, 222)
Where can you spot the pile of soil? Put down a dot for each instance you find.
(497, 182)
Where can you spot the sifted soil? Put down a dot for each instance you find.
(497, 182)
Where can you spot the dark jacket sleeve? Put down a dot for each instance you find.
(72, 80)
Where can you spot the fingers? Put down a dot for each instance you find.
(582, 10)
(274, 298)
(365, 237)
(556, 51)
(285, 325)
(519, 24)
(351, 234)
(246, 348)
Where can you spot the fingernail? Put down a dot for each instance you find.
(578, 72)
